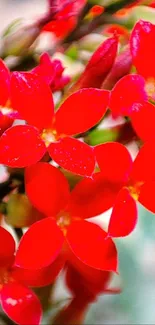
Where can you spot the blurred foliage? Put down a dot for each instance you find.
(135, 305)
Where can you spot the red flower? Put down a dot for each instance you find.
(138, 179)
(63, 233)
(143, 50)
(61, 28)
(52, 72)
(90, 282)
(129, 96)
(66, 18)
(32, 98)
(18, 301)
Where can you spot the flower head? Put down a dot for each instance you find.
(143, 50)
(17, 300)
(130, 95)
(64, 229)
(138, 181)
(66, 18)
(52, 72)
(31, 97)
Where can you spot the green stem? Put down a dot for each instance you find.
(113, 7)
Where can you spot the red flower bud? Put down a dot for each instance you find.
(121, 67)
(99, 65)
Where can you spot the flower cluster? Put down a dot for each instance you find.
(51, 149)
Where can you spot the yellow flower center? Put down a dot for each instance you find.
(150, 87)
(135, 190)
(4, 277)
(63, 221)
(49, 136)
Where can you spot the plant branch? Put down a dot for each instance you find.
(86, 28)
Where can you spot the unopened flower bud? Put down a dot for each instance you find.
(121, 67)
(17, 41)
(98, 66)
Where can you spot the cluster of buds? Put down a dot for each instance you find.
(66, 181)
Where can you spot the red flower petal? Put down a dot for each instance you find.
(146, 196)
(114, 161)
(61, 28)
(144, 164)
(32, 98)
(89, 243)
(122, 100)
(143, 48)
(40, 245)
(21, 146)
(73, 155)
(99, 65)
(40, 277)
(91, 197)
(47, 188)
(143, 120)
(21, 304)
(124, 215)
(4, 83)
(45, 69)
(81, 111)
(7, 248)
